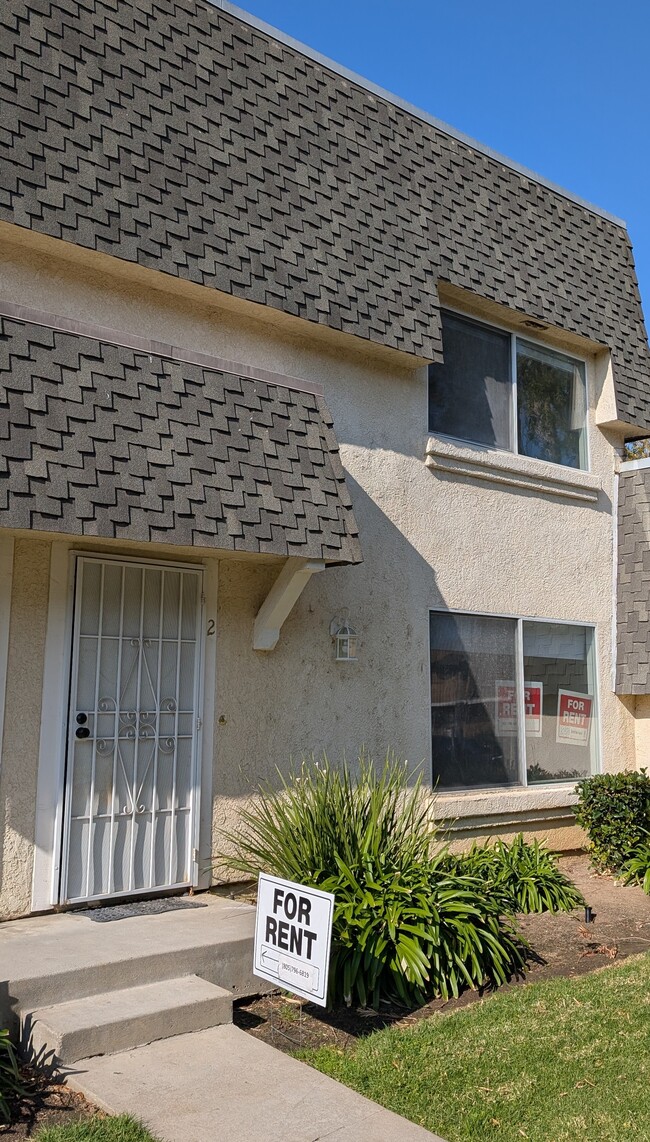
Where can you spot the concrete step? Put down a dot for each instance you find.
(121, 1020)
(47, 960)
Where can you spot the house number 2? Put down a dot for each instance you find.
(211, 626)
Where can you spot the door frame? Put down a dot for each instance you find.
(57, 667)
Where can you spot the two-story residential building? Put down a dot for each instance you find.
(282, 359)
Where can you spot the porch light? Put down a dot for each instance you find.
(345, 640)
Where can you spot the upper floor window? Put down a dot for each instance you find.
(498, 389)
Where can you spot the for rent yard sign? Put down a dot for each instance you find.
(293, 932)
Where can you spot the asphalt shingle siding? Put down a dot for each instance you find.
(169, 133)
(633, 603)
(101, 440)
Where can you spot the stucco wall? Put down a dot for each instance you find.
(430, 539)
(20, 741)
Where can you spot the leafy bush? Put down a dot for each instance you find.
(11, 1083)
(405, 936)
(614, 810)
(636, 869)
(523, 876)
(404, 927)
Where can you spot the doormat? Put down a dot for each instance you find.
(104, 915)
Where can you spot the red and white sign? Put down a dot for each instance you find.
(506, 693)
(574, 714)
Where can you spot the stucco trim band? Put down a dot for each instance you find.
(153, 348)
(505, 801)
(492, 810)
(6, 581)
(538, 476)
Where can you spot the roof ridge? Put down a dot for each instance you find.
(409, 108)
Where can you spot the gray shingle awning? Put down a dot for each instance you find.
(98, 439)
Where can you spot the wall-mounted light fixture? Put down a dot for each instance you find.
(345, 639)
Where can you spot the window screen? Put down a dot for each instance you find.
(469, 395)
(551, 406)
(473, 701)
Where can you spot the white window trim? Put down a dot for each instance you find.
(522, 787)
(515, 335)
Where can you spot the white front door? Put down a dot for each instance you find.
(131, 780)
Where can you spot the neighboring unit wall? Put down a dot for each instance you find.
(633, 588)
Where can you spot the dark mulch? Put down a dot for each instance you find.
(563, 946)
(48, 1103)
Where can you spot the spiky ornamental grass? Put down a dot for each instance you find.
(12, 1086)
(404, 927)
(636, 869)
(523, 875)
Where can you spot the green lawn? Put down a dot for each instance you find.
(122, 1129)
(560, 1061)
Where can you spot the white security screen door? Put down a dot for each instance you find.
(132, 782)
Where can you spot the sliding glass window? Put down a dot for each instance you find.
(513, 702)
(502, 391)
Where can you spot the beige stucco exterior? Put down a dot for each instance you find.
(432, 536)
(18, 774)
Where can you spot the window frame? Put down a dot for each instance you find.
(513, 419)
(592, 670)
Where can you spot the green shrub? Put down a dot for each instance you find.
(403, 927)
(12, 1086)
(407, 935)
(523, 876)
(614, 811)
(636, 869)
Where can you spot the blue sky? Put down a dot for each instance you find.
(561, 87)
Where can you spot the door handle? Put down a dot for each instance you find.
(82, 732)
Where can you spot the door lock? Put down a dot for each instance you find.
(82, 732)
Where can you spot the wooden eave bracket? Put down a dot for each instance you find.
(280, 601)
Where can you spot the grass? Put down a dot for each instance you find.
(566, 1060)
(120, 1129)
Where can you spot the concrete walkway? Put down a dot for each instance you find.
(157, 988)
(222, 1085)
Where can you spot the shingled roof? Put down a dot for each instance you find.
(99, 439)
(173, 134)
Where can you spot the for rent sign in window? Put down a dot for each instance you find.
(574, 717)
(507, 709)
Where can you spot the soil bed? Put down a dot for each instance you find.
(49, 1104)
(563, 945)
